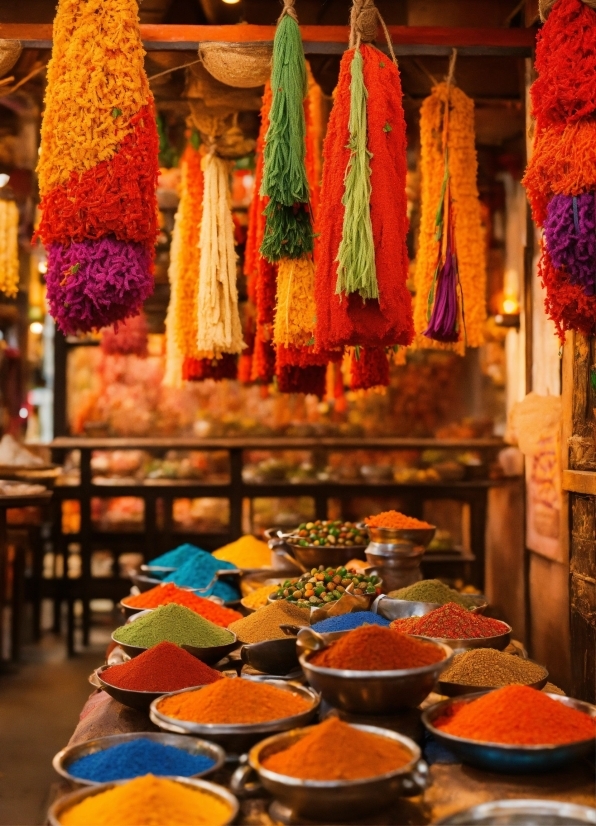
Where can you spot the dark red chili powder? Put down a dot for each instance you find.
(165, 667)
(451, 621)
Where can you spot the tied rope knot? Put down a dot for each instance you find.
(363, 22)
(288, 9)
(545, 7)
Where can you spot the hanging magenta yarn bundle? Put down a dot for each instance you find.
(560, 179)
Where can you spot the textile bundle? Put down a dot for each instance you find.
(98, 166)
(561, 176)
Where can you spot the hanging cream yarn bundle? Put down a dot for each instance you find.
(9, 249)
(219, 328)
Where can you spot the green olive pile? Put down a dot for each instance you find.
(325, 585)
(329, 533)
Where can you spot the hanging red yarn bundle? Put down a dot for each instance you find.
(349, 319)
(225, 367)
(369, 367)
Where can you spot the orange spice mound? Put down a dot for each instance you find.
(394, 519)
(373, 648)
(233, 701)
(167, 593)
(334, 750)
(517, 715)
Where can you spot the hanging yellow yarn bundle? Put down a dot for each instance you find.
(219, 328)
(9, 248)
(295, 304)
(469, 240)
(87, 76)
(174, 355)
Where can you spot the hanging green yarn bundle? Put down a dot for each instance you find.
(356, 272)
(288, 229)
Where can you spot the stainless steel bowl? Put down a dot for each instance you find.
(66, 757)
(238, 738)
(143, 582)
(500, 641)
(331, 556)
(60, 806)
(374, 692)
(450, 689)
(275, 657)
(392, 608)
(522, 813)
(501, 757)
(157, 570)
(335, 799)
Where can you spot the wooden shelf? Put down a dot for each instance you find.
(579, 481)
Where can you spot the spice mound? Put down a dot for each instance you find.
(451, 622)
(517, 715)
(163, 668)
(168, 593)
(136, 758)
(232, 702)
(347, 622)
(195, 568)
(334, 750)
(260, 596)
(372, 648)
(148, 801)
(173, 623)
(323, 585)
(395, 520)
(246, 552)
(264, 623)
(488, 668)
(430, 590)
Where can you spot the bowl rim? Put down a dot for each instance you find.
(307, 692)
(434, 605)
(431, 713)
(185, 646)
(111, 740)
(484, 809)
(452, 642)
(102, 668)
(471, 689)
(347, 673)
(288, 780)
(67, 801)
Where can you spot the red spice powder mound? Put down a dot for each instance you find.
(348, 320)
(116, 196)
(373, 648)
(395, 519)
(517, 715)
(168, 592)
(165, 667)
(451, 621)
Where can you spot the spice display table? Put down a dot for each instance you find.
(453, 786)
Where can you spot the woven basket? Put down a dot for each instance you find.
(10, 51)
(545, 7)
(200, 84)
(238, 64)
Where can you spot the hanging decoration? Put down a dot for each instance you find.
(128, 338)
(9, 247)
(560, 178)
(98, 166)
(450, 306)
(369, 368)
(360, 283)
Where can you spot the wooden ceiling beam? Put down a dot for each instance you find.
(407, 40)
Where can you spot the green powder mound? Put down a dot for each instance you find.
(430, 590)
(173, 623)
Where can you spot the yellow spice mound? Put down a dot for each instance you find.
(246, 552)
(148, 801)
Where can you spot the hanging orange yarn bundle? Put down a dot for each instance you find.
(361, 271)
(560, 179)
(450, 306)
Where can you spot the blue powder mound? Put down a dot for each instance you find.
(198, 571)
(177, 557)
(136, 758)
(346, 622)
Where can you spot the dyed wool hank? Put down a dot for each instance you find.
(9, 248)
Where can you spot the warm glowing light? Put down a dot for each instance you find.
(23, 412)
(36, 328)
(510, 306)
(231, 2)
(42, 267)
(4, 179)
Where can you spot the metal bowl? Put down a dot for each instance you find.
(374, 692)
(276, 657)
(522, 813)
(331, 556)
(390, 536)
(67, 756)
(143, 582)
(238, 738)
(331, 800)
(66, 802)
(500, 642)
(128, 610)
(457, 689)
(157, 570)
(392, 608)
(501, 757)
(141, 700)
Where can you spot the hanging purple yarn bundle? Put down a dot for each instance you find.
(570, 233)
(443, 323)
(92, 284)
